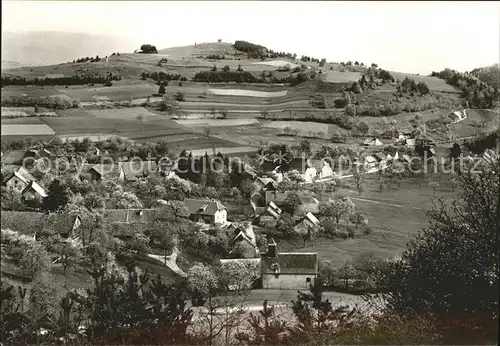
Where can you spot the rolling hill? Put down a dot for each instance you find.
(200, 104)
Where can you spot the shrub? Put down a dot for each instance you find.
(367, 230)
(350, 232)
(179, 96)
(148, 49)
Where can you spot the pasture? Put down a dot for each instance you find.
(301, 126)
(26, 130)
(11, 112)
(434, 83)
(217, 122)
(394, 215)
(247, 93)
(341, 77)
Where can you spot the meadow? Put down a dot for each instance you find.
(395, 215)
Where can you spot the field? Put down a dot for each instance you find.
(26, 130)
(247, 93)
(394, 215)
(7, 112)
(341, 77)
(217, 122)
(301, 126)
(434, 83)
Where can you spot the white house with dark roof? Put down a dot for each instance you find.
(210, 211)
(371, 142)
(21, 180)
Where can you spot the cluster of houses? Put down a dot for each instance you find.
(278, 270)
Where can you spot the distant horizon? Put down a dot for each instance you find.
(414, 37)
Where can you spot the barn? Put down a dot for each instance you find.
(288, 270)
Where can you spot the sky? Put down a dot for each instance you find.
(416, 37)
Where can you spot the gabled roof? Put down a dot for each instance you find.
(410, 142)
(370, 159)
(292, 263)
(380, 156)
(265, 181)
(36, 187)
(273, 210)
(138, 169)
(406, 158)
(19, 172)
(104, 169)
(31, 223)
(129, 215)
(310, 216)
(372, 141)
(203, 206)
(243, 231)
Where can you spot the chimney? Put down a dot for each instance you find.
(271, 248)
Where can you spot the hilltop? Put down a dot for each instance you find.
(264, 91)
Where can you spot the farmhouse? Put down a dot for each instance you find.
(41, 224)
(288, 270)
(302, 166)
(369, 142)
(380, 157)
(133, 170)
(323, 169)
(457, 115)
(271, 213)
(110, 171)
(210, 211)
(243, 240)
(19, 179)
(370, 162)
(267, 187)
(308, 223)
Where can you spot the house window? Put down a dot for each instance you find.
(308, 280)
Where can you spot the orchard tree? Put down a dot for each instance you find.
(452, 266)
(358, 181)
(337, 209)
(34, 259)
(178, 209)
(292, 201)
(162, 90)
(57, 196)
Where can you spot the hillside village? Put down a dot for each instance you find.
(228, 168)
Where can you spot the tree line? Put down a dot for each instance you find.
(161, 77)
(87, 59)
(72, 80)
(477, 93)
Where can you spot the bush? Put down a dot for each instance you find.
(350, 232)
(179, 96)
(148, 49)
(108, 84)
(367, 230)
